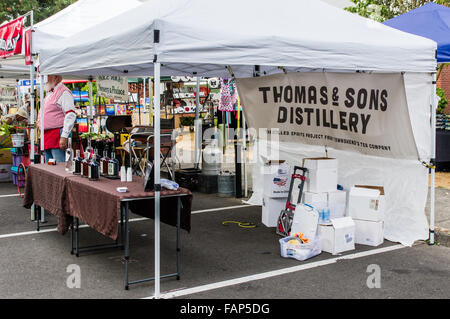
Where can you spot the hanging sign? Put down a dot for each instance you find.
(11, 38)
(7, 95)
(27, 35)
(360, 112)
(113, 87)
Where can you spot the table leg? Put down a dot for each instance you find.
(71, 236)
(178, 236)
(77, 239)
(127, 248)
(121, 227)
(38, 221)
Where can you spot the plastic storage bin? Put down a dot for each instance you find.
(300, 252)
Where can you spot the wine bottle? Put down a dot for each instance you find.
(69, 156)
(113, 165)
(89, 148)
(85, 165)
(77, 163)
(93, 169)
(104, 163)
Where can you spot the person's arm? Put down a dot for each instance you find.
(68, 107)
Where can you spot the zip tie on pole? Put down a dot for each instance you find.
(282, 68)
(428, 165)
(230, 70)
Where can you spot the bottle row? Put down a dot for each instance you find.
(91, 166)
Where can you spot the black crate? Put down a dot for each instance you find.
(208, 183)
(187, 178)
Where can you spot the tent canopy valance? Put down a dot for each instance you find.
(196, 38)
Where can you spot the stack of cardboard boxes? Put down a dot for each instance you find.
(364, 221)
(338, 233)
(366, 207)
(277, 179)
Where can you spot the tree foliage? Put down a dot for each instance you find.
(382, 10)
(42, 9)
(443, 100)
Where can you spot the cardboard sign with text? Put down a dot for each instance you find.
(364, 113)
(113, 87)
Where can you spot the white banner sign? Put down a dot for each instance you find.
(113, 87)
(365, 113)
(7, 95)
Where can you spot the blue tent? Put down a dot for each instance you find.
(430, 21)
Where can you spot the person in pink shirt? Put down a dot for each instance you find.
(59, 118)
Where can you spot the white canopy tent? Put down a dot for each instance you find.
(81, 15)
(198, 37)
(13, 72)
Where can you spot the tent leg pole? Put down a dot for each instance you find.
(244, 144)
(432, 208)
(41, 98)
(32, 113)
(433, 158)
(197, 125)
(157, 123)
(32, 123)
(91, 105)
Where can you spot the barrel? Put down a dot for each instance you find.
(226, 184)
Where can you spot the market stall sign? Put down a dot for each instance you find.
(7, 95)
(11, 38)
(27, 35)
(364, 113)
(113, 87)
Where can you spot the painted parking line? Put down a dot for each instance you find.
(220, 209)
(27, 233)
(273, 273)
(10, 195)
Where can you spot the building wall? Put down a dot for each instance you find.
(444, 83)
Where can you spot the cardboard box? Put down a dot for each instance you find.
(271, 209)
(5, 156)
(367, 203)
(277, 179)
(322, 174)
(339, 236)
(368, 232)
(337, 202)
(5, 141)
(315, 199)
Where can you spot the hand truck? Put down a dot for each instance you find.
(284, 222)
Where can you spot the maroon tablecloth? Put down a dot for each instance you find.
(46, 187)
(97, 203)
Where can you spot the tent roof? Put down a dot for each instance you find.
(13, 71)
(199, 36)
(431, 21)
(77, 17)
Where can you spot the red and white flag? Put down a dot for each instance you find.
(11, 38)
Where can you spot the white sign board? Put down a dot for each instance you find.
(360, 112)
(7, 95)
(113, 87)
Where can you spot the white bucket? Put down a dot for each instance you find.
(18, 139)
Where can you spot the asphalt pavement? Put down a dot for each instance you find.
(217, 261)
